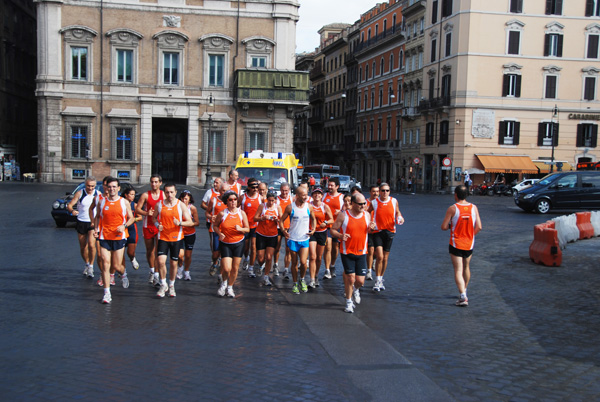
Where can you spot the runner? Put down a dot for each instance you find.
(111, 221)
(374, 193)
(170, 216)
(132, 239)
(302, 219)
(267, 216)
(249, 203)
(207, 200)
(217, 205)
(351, 227)
(464, 223)
(283, 200)
(189, 237)
(386, 215)
(145, 209)
(318, 240)
(230, 225)
(335, 201)
(233, 182)
(85, 230)
(93, 212)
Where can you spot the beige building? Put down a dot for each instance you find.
(176, 87)
(498, 76)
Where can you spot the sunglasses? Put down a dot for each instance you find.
(361, 203)
(387, 190)
(232, 199)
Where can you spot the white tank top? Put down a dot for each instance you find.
(299, 223)
(83, 206)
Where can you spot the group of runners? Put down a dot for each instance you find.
(248, 229)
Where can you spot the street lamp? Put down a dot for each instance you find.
(210, 110)
(554, 127)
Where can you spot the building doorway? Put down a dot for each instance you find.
(169, 149)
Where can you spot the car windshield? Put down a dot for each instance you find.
(81, 186)
(547, 179)
(272, 176)
(344, 179)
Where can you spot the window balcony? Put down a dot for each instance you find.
(254, 85)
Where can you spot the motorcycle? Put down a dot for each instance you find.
(499, 189)
(482, 189)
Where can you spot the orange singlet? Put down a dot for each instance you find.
(148, 220)
(335, 204)
(357, 228)
(166, 217)
(189, 230)
(320, 216)
(216, 207)
(462, 231)
(227, 226)
(283, 203)
(268, 228)
(236, 187)
(384, 214)
(213, 194)
(250, 206)
(112, 215)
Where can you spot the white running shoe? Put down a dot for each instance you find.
(245, 264)
(222, 289)
(186, 276)
(162, 290)
(376, 286)
(156, 280)
(151, 278)
(369, 275)
(356, 294)
(213, 269)
(312, 284)
(349, 307)
(317, 282)
(275, 270)
(179, 272)
(327, 274)
(332, 269)
(230, 292)
(251, 273)
(266, 281)
(135, 264)
(86, 270)
(381, 284)
(90, 273)
(286, 275)
(172, 291)
(125, 281)
(106, 299)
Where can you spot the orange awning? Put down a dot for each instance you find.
(507, 164)
(545, 168)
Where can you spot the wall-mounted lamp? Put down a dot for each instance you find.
(392, 93)
(457, 121)
(344, 95)
(467, 145)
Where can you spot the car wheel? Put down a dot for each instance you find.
(61, 224)
(542, 206)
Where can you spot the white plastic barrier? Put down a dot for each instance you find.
(567, 231)
(596, 222)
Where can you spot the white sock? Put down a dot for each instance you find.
(163, 281)
(379, 278)
(348, 301)
(171, 283)
(229, 287)
(124, 274)
(463, 295)
(152, 270)
(156, 275)
(106, 290)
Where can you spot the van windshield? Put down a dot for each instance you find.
(547, 179)
(274, 177)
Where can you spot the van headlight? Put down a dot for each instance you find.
(528, 196)
(55, 205)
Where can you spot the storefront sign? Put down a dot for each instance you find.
(578, 116)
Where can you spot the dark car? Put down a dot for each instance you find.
(59, 207)
(562, 190)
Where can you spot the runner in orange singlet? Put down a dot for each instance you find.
(170, 216)
(93, 212)
(145, 209)
(206, 202)
(283, 200)
(373, 193)
(335, 201)
(217, 205)
(249, 203)
(189, 237)
(115, 214)
(352, 227)
(318, 240)
(267, 216)
(462, 218)
(234, 183)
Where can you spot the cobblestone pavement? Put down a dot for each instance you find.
(530, 332)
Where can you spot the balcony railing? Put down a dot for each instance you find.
(396, 30)
(260, 85)
(315, 120)
(435, 103)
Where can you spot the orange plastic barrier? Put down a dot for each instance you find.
(584, 224)
(544, 248)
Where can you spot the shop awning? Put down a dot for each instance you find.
(507, 164)
(545, 168)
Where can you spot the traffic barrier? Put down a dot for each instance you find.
(596, 222)
(545, 248)
(567, 229)
(586, 230)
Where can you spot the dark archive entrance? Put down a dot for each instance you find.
(169, 149)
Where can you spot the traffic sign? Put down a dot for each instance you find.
(447, 162)
(416, 161)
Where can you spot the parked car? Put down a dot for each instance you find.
(524, 184)
(59, 207)
(354, 182)
(344, 182)
(562, 190)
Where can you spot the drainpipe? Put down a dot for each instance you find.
(101, 73)
(235, 105)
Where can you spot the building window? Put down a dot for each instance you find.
(388, 130)
(592, 47)
(446, 82)
(366, 100)
(380, 97)
(447, 8)
(124, 45)
(592, 8)
(554, 7)
(372, 99)
(448, 44)
(79, 63)
(433, 50)
(514, 42)
(509, 131)
(171, 56)
(256, 140)
(381, 66)
(417, 136)
(400, 59)
(78, 52)
(260, 62)
(373, 70)
(371, 132)
(123, 143)
(429, 134)
(217, 145)
(124, 65)
(444, 131)
(553, 44)
(379, 131)
(589, 88)
(404, 135)
(79, 141)
(434, 11)
(170, 68)
(511, 85)
(550, 87)
(587, 135)
(391, 62)
(366, 72)
(420, 61)
(547, 135)
(422, 25)
(216, 70)
(516, 6)
(431, 88)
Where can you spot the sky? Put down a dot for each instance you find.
(316, 13)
